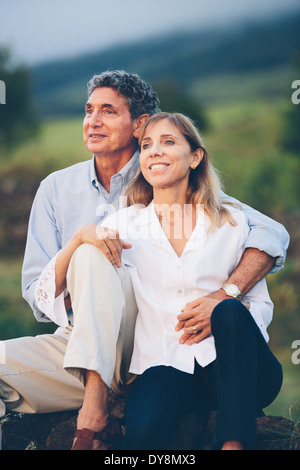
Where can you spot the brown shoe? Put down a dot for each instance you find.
(108, 438)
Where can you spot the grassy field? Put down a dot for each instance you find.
(243, 140)
(58, 144)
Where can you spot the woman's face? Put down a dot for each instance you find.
(166, 157)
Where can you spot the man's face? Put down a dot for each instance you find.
(107, 127)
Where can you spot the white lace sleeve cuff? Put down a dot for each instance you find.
(45, 300)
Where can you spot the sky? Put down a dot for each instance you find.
(39, 30)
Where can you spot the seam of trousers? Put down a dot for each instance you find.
(32, 370)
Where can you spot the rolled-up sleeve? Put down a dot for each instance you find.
(265, 234)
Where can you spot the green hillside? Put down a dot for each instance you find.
(192, 59)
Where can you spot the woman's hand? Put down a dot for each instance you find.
(107, 240)
(194, 320)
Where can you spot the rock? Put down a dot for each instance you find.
(55, 431)
(61, 435)
(30, 431)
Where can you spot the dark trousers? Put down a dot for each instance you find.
(244, 378)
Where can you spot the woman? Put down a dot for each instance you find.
(185, 243)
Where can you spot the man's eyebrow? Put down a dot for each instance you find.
(104, 105)
(108, 105)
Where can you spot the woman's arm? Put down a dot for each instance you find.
(106, 240)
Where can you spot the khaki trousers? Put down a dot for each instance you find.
(45, 373)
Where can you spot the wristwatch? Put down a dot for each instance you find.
(232, 291)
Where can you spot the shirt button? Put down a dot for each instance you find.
(178, 266)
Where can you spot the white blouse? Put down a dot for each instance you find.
(164, 283)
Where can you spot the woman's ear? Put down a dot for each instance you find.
(138, 124)
(197, 157)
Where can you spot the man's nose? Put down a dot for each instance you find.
(96, 119)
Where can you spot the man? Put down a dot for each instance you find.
(75, 279)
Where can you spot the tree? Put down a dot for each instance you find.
(18, 117)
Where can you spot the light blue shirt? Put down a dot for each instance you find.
(70, 198)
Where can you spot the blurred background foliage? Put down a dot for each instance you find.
(235, 84)
(18, 120)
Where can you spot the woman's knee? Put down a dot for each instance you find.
(88, 259)
(228, 314)
(87, 253)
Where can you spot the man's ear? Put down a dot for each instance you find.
(138, 124)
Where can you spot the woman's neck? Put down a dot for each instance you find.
(176, 215)
(169, 197)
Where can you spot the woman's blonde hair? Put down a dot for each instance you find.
(204, 183)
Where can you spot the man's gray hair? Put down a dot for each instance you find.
(140, 96)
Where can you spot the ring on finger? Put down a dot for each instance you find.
(195, 331)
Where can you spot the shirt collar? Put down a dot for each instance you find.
(130, 170)
(149, 227)
(127, 173)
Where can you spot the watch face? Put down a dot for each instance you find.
(232, 290)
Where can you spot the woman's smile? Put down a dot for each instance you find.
(158, 166)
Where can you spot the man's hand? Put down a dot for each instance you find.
(194, 319)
